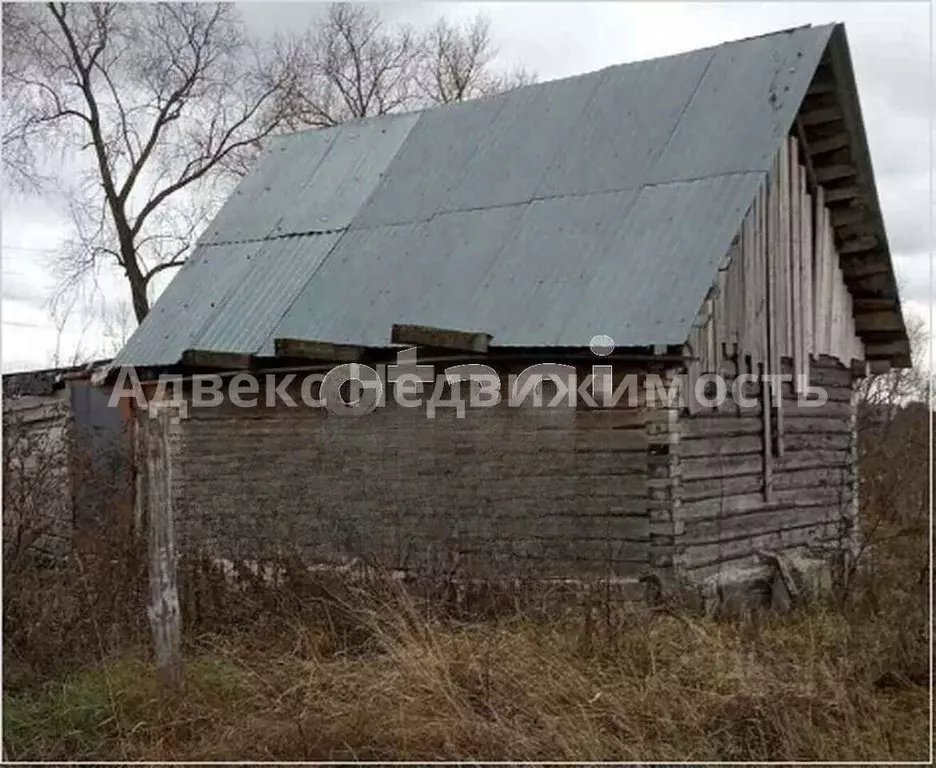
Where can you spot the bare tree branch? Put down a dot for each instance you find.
(349, 67)
(455, 64)
(353, 65)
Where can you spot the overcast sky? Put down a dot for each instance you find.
(890, 44)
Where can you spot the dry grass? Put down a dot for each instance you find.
(372, 677)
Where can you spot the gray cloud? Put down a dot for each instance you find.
(18, 288)
(267, 18)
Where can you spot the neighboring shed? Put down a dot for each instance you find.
(64, 459)
(711, 212)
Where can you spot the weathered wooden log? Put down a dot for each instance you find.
(726, 551)
(155, 496)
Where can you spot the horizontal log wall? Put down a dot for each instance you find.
(731, 497)
(562, 492)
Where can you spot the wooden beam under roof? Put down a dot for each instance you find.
(843, 217)
(842, 193)
(832, 172)
(885, 336)
(864, 264)
(222, 361)
(859, 245)
(830, 120)
(830, 144)
(876, 284)
(307, 349)
(847, 232)
(820, 86)
(439, 338)
(886, 349)
(867, 323)
(865, 305)
(820, 116)
(891, 347)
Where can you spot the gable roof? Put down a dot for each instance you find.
(597, 204)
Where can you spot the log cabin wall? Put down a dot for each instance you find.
(736, 491)
(559, 492)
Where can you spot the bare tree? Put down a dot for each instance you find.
(880, 395)
(117, 322)
(61, 309)
(349, 66)
(158, 103)
(354, 65)
(455, 64)
(893, 420)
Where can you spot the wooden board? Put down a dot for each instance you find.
(796, 255)
(441, 338)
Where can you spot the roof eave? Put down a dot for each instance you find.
(897, 352)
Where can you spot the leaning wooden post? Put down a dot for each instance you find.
(155, 492)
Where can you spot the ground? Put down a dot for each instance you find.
(375, 674)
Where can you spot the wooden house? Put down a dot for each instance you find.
(712, 212)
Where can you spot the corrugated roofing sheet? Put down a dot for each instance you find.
(715, 134)
(249, 312)
(383, 274)
(190, 302)
(271, 189)
(597, 204)
(629, 120)
(312, 181)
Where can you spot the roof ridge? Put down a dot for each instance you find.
(785, 31)
(360, 121)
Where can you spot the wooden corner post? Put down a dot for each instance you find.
(155, 497)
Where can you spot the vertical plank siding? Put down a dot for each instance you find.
(780, 294)
(795, 260)
(807, 273)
